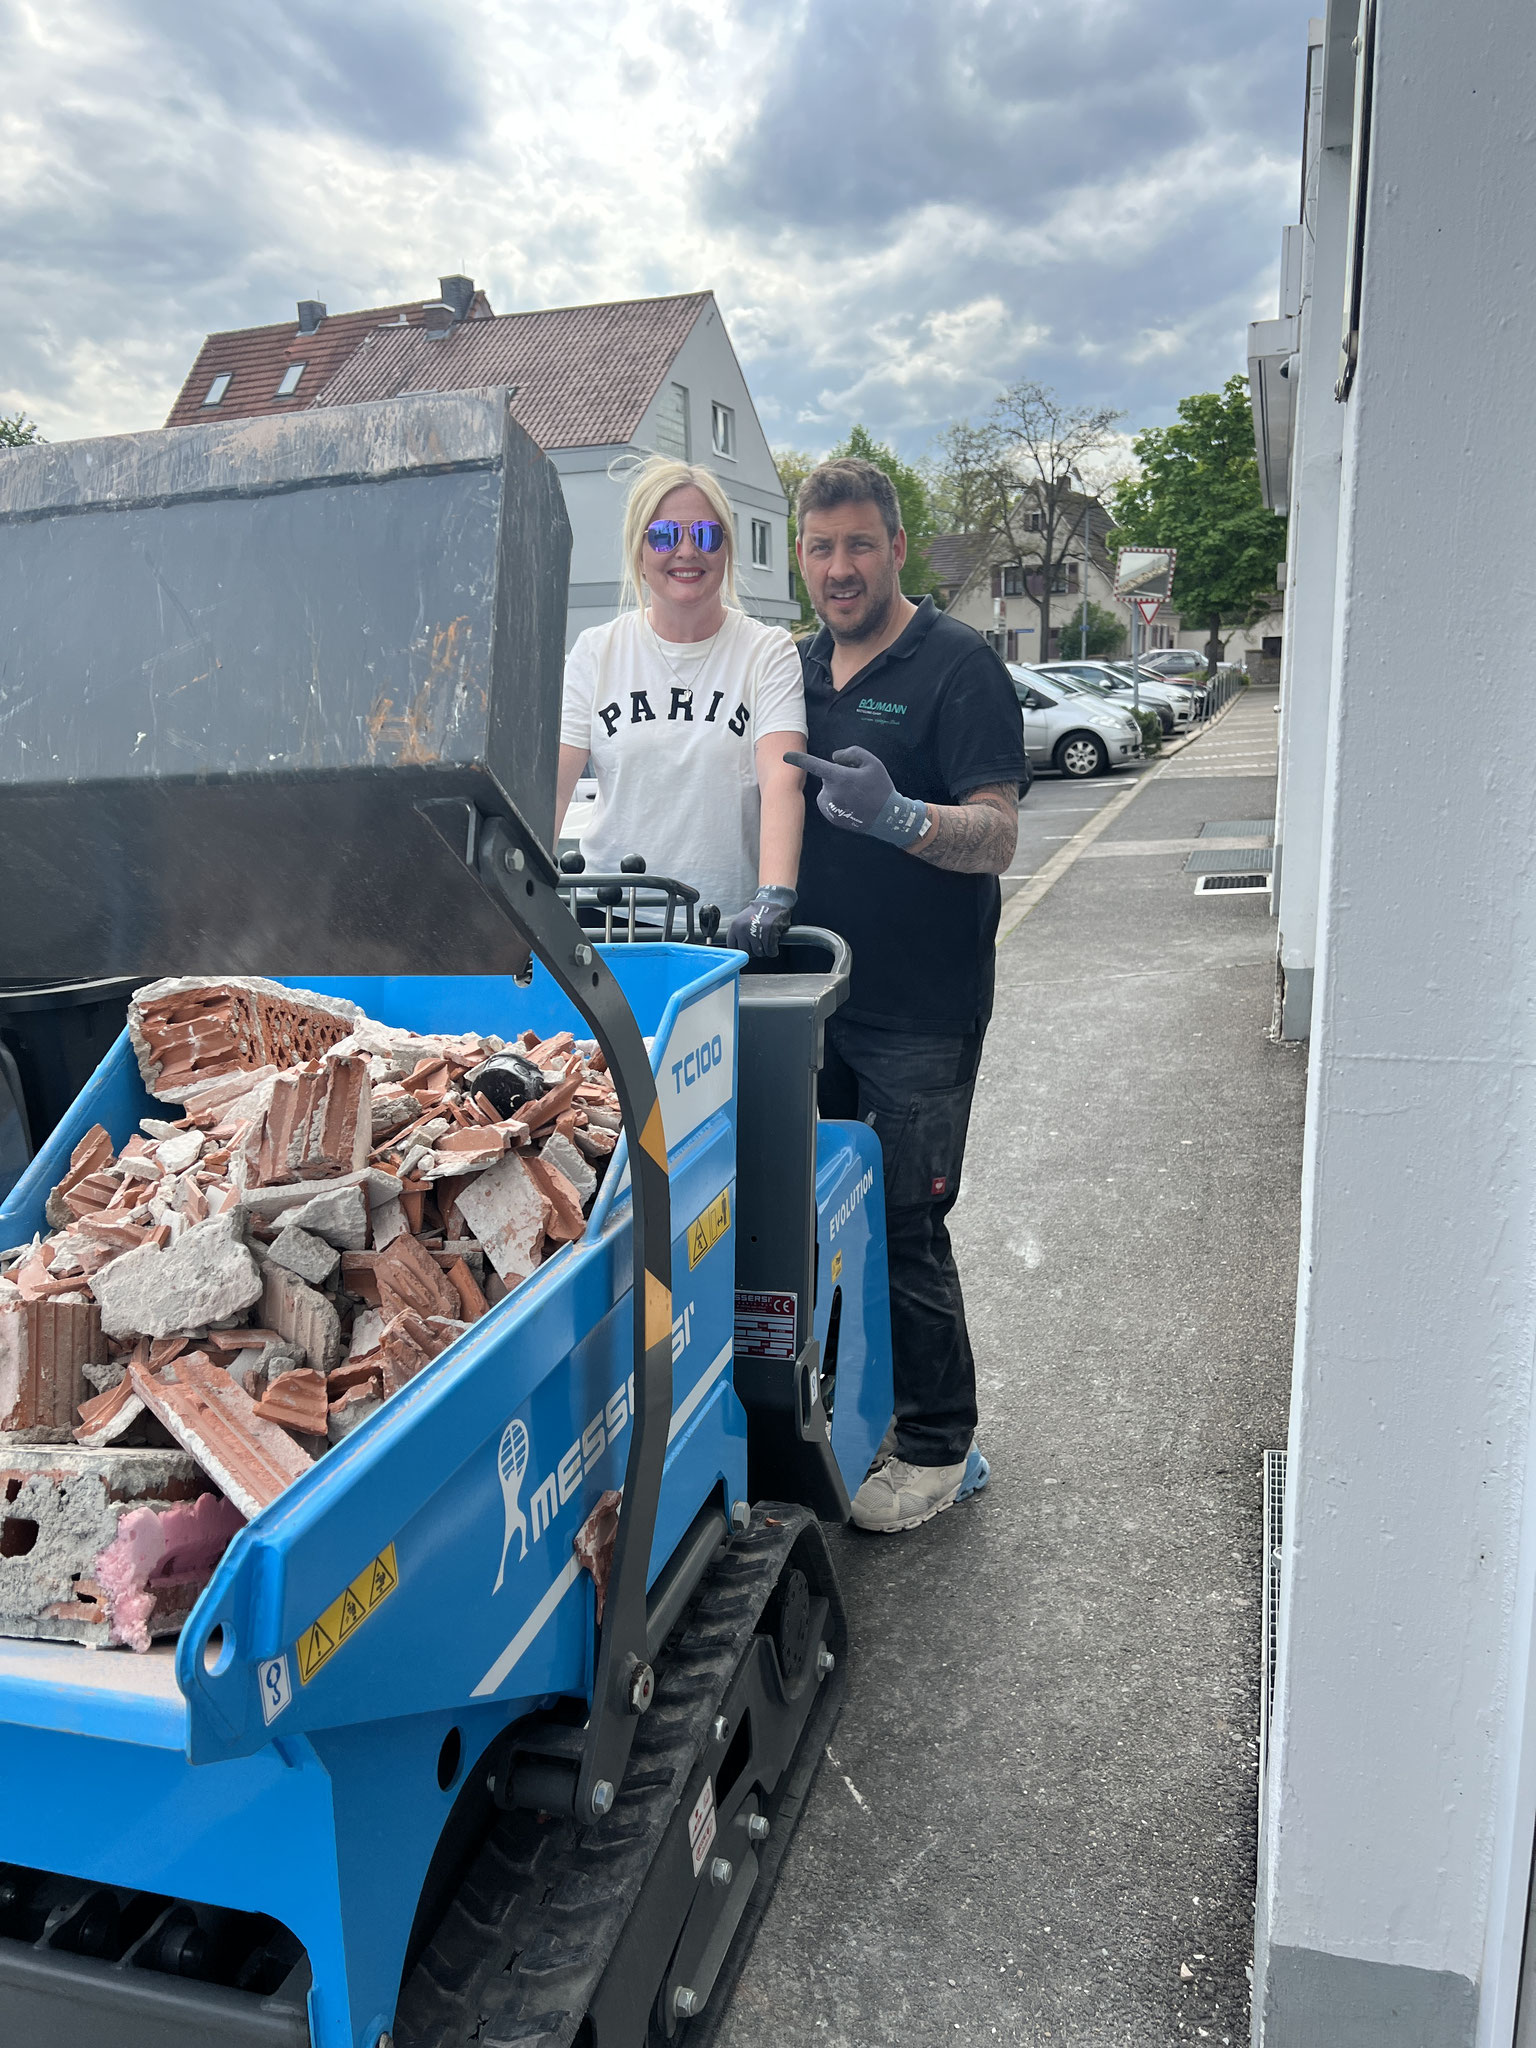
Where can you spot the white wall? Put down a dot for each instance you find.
(706, 366)
(1394, 1852)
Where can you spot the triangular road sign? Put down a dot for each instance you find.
(1149, 607)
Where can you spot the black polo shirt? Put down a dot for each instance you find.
(939, 709)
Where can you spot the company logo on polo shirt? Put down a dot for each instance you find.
(880, 712)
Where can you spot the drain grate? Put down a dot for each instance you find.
(1212, 860)
(1240, 828)
(1209, 884)
(1269, 1655)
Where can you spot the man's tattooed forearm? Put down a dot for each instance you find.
(976, 837)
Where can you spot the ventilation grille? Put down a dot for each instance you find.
(1269, 1651)
(1240, 828)
(1215, 860)
(1209, 884)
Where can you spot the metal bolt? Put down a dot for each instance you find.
(741, 1517)
(757, 1827)
(685, 2001)
(642, 1689)
(721, 1728)
(602, 1797)
(826, 1663)
(721, 1871)
(583, 956)
(512, 860)
(385, 2041)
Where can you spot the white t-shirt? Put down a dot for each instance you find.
(672, 730)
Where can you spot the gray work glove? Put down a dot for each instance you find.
(857, 794)
(758, 929)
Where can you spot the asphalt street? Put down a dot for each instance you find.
(1035, 1823)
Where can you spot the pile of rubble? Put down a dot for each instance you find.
(325, 1205)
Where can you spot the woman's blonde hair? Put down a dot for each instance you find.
(656, 479)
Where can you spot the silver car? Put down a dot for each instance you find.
(1074, 731)
(1163, 698)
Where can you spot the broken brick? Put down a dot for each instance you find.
(197, 1027)
(298, 1400)
(250, 1460)
(560, 1152)
(566, 1222)
(315, 1127)
(93, 1152)
(44, 1349)
(409, 1277)
(472, 1303)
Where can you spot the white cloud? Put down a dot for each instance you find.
(897, 220)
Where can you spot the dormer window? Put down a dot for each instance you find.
(290, 381)
(218, 387)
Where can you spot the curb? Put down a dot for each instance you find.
(1039, 886)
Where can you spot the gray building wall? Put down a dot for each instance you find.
(706, 368)
(1401, 1794)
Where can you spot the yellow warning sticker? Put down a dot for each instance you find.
(837, 1267)
(347, 1613)
(706, 1231)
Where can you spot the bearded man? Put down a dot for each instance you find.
(914, 731)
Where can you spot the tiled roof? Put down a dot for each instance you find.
(584, 374)
(256, 357)
(952, 556)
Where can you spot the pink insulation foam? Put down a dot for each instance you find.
(156, 1551)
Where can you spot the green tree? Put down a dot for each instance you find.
(794, 466)
(1198, 491)
(1106, 636)
(1016, 479)
(917, 577)
(16, 430)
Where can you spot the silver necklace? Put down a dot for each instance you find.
(667, 663)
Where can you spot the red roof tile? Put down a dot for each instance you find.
(584, 374)
(254, 358)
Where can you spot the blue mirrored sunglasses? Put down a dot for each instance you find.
(664, 535)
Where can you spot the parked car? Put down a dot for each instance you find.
(1074, 731)
(1172, 686)
(1174, 661)
(1175, 708)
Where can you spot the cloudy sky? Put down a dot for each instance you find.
(901, 204)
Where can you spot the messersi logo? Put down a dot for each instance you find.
(514, 1452)
(844, 1213)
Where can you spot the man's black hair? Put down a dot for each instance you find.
(849, 481)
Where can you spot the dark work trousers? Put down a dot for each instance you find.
(914, 1089)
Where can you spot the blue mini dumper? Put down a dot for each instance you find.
(395, 1782)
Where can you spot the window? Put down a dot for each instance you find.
(672, 423)
(1013, 581)
(1036, 522)
(762, 545)
(218, 387)
(723, 421)
(290, 381)
(1064, 579)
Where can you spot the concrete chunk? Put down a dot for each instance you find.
(340, 1216)
(566, 1159)
(303, 1315)
(300, 1252)
(61, 1511)
(206, 1275)
(507, 1213)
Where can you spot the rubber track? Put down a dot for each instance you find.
(521, 1949)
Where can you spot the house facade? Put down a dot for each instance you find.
(982, 583)
(597, 387)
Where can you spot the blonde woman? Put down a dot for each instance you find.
(685, 707)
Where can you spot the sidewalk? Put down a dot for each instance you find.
(1041, 1799)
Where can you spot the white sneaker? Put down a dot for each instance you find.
(901, 1496)
(885, 1453)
